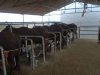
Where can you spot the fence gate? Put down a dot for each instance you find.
(88, 32)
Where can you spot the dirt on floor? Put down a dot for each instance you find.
(80, 58)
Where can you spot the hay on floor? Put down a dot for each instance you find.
(81, 58)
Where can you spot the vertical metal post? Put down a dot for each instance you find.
(91, 7)
(42, 21)
(64, 10)
(60, 41)
(98, 34)
(26, 49)
(79, 32)
(43, 43)
(49, 18)
(3, 61)
(75, 6)
(23, 19)
(10, 28)
(55, 42)
(34, 24)
(48, 23)
(27, 25)
(33, 64)
(32, 55)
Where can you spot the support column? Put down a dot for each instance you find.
(99, 35)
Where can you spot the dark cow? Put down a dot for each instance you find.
(10, 43)
(25, 31)
(56, 27)
(39, 31)
(18, 31)
(35, 31)
(73, 29)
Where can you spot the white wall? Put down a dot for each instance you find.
(89, 19)
(92, 18)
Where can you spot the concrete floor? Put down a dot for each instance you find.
(80, 58)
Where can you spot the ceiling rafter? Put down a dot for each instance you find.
(33, 4)
(16, 2)
(2, 2)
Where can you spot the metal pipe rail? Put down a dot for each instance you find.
(42, 43)
(85, 31)
(59, 39)
(21, 23)
(3, 61)
(54, 39)
(32, 53)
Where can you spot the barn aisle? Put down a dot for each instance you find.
(81, 58)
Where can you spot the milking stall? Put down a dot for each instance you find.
(50, 37)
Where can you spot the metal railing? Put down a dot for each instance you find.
(3, 61)
(88, 31)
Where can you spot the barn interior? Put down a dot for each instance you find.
(36, 35)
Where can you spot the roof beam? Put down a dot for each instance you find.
(16, 2)
(25, 4)
(34, 4)
(2, 2)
